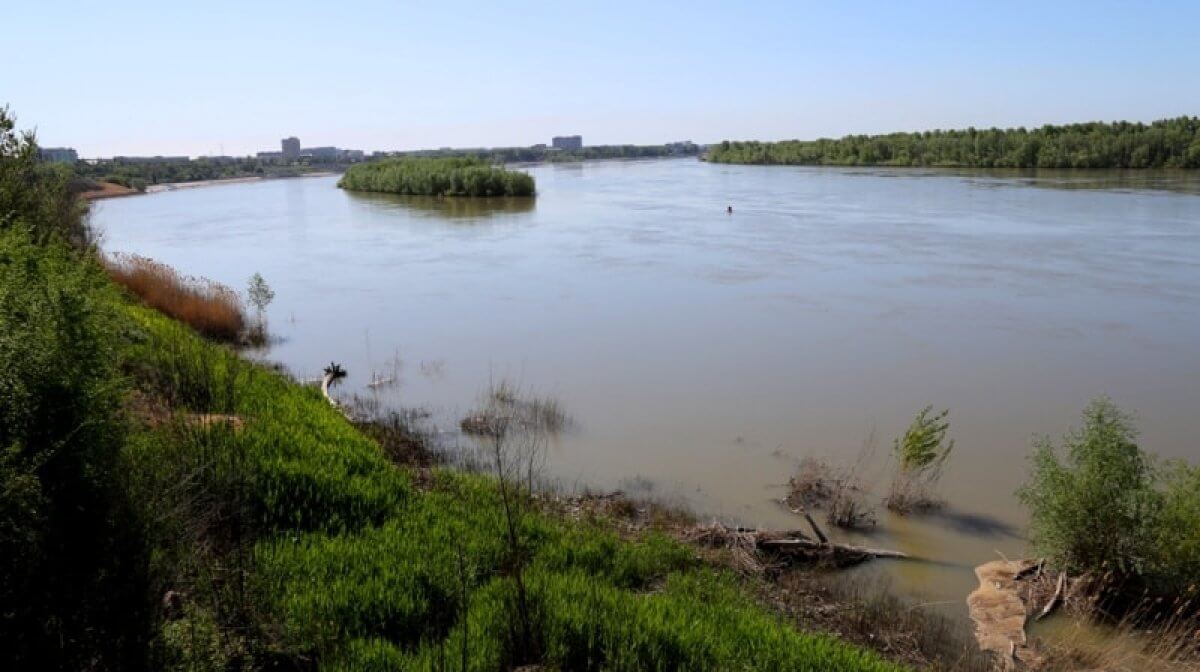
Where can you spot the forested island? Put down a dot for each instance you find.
(456, 176)
(1167, 143)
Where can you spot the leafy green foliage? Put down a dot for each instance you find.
(460, 176)
(1168, 143)
(260, 293)
(920, 455)
(1177, 534)
(71, 592)
(924, 444)
(36, 195)
(1088, 508)
(1099, 503)
(139, 175)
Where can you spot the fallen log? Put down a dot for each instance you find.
(816, 530)
(844, 548)
(759, 550)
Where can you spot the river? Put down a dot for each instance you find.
(702, 354)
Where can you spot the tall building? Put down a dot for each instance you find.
(567, 142)
(291, 148)
(58, 154)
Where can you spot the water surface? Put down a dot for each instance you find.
(703, 354)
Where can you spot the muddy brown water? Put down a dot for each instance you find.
(703, 354)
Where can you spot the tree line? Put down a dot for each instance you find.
(139, 175)
(552, 155)
(1167, 143)
(456, 176)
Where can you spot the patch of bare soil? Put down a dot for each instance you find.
(107, 190)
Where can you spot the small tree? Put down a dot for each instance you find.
(920, 456)
(516, 448)
(1092, 503)
(261, 295)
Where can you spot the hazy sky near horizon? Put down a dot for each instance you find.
(234, 77)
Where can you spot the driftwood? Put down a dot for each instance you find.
(333, 373)
(1056, 598)
(1035, 569)
(816, 530)
(757, 551)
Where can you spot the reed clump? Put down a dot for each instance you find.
(504, 403)
(840, 490)
(209, 307)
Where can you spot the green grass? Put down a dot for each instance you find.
(350, 565)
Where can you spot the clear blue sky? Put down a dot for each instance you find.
(195, 77)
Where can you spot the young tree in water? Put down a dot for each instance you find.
(920, 455)
(261, 295)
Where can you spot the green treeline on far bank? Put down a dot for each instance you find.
(1167, 143)
(452, 176)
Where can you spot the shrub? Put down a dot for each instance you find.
(1177, 535)
(34, 195)
(920, 455)
(1090, 501)
(1101, 504)
(70, 594)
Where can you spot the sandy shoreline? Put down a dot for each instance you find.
(108, 190)
(172, 186)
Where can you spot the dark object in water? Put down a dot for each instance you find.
(729, 210)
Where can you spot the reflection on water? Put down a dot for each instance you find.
(705, 354)
(1183, 182)
(448, 207)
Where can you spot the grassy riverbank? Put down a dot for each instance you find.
(271, 531)
(1168, 143)
(169, 505)
(461, 176)
(351, 561)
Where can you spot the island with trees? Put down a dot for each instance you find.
(1167, 143)
(456, 176)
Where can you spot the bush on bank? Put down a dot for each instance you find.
(1100, 503)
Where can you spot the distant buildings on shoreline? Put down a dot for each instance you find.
(58, 154)
(291, 152)
(291, 148)
(567, 143)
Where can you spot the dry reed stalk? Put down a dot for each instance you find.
(212, 309)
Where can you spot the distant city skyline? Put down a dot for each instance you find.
(228, 78)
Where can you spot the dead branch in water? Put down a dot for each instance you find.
(1056, 598)
(760, 550)
(816, 530)
(333, 373)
